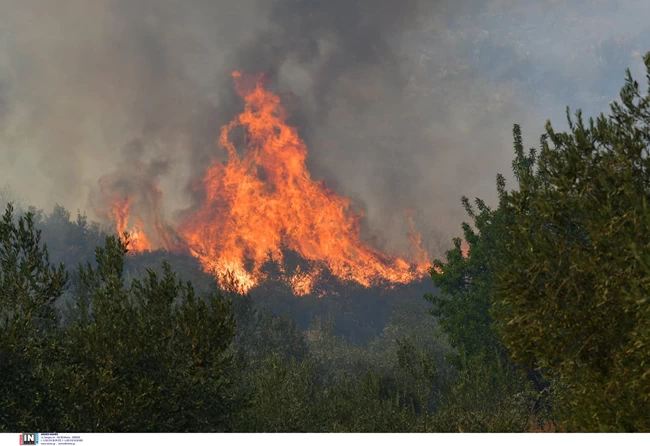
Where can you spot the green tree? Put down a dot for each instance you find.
(487, 392)
(573, 284)
(466, 284)
(152, 357)
(29, 288)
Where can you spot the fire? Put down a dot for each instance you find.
(263, 199)
(138, 240)
(302, 282)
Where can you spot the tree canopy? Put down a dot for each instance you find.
(572, 289)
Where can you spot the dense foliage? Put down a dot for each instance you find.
(540, 319)
(149, 357)
(573, 286)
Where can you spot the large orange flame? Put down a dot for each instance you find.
(265, 200)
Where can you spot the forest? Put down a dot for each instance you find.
(541, 325)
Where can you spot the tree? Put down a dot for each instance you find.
(573, 284)
(29, 287)
(152, 357)
(69, 242)
(466, 282)
(488, 393)
(149, 357)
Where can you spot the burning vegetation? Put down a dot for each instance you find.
(263, 201)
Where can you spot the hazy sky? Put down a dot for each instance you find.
(403, 103)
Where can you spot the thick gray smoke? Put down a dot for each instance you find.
(404, 104)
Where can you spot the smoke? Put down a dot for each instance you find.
(404, 104)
